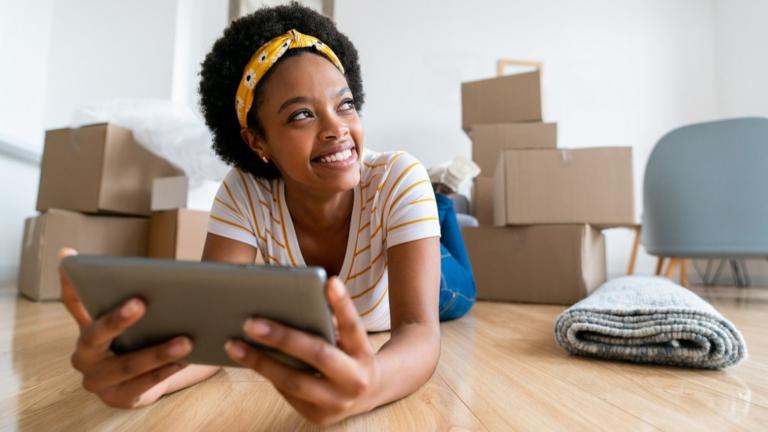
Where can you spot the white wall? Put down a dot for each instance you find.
(24, 41)
(615, 73)
(741, 35)
(105, 49)
(198, 24)
(25, 36)
(18, 186)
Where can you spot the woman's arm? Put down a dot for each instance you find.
(190, 375)
(409, 358)
(222, 249)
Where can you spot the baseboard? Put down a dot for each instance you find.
(8, 274)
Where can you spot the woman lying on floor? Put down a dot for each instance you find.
(281, 91)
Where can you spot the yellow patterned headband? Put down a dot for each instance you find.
(265, 57)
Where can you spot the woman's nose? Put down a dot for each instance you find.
(334, 128)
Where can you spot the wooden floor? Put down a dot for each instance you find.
(500, 370)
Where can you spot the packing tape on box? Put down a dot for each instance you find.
(28, 234)
(73, 142)
(565, 156)
(29, 242)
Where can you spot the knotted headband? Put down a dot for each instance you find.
(266, 56)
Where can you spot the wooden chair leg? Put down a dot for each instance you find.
(633, 254)
(673, 262)
(683, 272)
(660, 265)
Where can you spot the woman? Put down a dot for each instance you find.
(281, 92)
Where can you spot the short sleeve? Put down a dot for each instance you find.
(410, 210)
(231, 215)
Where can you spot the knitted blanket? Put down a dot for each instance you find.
(650, 320)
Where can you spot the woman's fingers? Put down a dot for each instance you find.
(118, 369)
(299, 384)
(353, 338)
(313, 350)
(94, 341)
(68, 294)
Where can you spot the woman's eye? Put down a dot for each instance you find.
(347, 105)
(299, 115)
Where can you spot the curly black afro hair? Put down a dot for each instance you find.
(223, 68)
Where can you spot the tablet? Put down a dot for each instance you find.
(207, 301)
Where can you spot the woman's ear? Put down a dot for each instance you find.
(256, 143)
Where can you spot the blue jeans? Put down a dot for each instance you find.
(457, 284)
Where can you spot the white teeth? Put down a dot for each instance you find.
(340, 156)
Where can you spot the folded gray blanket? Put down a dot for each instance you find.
(650, 320)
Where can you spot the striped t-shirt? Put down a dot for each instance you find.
(393, 204)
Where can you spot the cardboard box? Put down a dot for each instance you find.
(45, 234)
(506, 99)
(482, 200)
(178, 234)
(488, 141)
(169, 193)
(98, 169)
(556, 186)
(554, 264)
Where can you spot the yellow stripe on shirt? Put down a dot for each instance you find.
(370, 265)
(232, 197)
(421, 200)
(357, 239)
(232, 209)
(378, 302)
(398, 179)
(384, 180)
(370, 180)
(369, 165)
(367, 290)
(234, 224)
(277, 242)
(250, 204)
(376, 231)
(400, 225)
(360, 219)
(363, 250)
(282, 225)
(405, 191)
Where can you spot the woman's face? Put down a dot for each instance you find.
(312, 131)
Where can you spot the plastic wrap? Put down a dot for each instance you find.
(169, 130)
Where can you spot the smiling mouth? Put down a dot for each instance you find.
(342, 157)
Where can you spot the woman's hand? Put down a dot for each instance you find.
(348, 372)
(127, 381)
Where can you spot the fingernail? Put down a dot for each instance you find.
(130, 308)
(257, 327)
(234, 350)
(179, 347)
(338, 289)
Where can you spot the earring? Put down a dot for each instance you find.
(265, 159)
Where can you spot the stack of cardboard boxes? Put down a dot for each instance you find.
(94, 196)
(540, 208)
